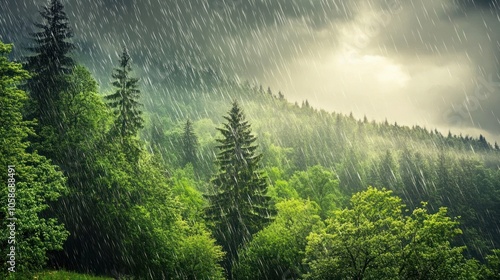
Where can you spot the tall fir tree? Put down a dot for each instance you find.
(189, 144)
(49, 63)
(239, 206)
(125, 101)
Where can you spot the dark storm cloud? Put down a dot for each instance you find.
(181, 26)
(457, 37)
(488, 4)
(427, 54)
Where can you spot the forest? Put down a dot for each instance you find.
(195, 175)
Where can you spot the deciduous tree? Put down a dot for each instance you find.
(29, 180)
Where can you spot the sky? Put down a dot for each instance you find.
(434, 63)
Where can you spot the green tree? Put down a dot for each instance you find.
(199, 257)
(125, 101)
(374, 240)
(184, 189)
(154, 242)
(493, 265)
(30, 184)
(319, 185)
(360, 242)
(276, 252)
(85, 119)
(239, 205)
(279, 188)
(50, 63)
(427, 252)
(189, 143)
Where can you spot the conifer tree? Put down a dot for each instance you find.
(239, 206)
(125, 101)
(49, 63)
(189, 144)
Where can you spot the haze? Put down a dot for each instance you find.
(426, 62)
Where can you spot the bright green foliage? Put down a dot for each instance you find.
(493, 265)
(83, 109)
(37, 181)
(277, 251)
(84, 118)
(199, 257)
(275, 155)
(131, 214)
(358, 243)
(50, 63)
(125, 101)
(427, 252)
(279, 189)
(184, 189)
(157, 244)
(319, 185)
(189, 144)
(239, 206)
(81, 152)
(373, 240)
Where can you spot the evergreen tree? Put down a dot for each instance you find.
(125, 101)
(239, 206)
(50, 62)
(482, 143)
(189, 144)
(496, 146)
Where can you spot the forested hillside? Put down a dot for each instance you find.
(192, 174)
(417, 163)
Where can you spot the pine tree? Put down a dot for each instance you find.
(496, 146)
(189, 144)
(269, 91)
(239, 206)
(483, 143)
(125, 100)
(50, 62)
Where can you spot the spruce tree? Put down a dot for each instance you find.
(189, 144)
(49, 63)
(125, 101)
(239, 206)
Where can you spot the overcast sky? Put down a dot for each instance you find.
(429, 62)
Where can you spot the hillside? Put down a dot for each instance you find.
(417, 163)
(214, 178)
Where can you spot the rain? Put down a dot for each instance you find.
(251, 139)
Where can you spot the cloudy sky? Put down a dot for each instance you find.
(429, 62)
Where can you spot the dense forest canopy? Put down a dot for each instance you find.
(194, 174)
